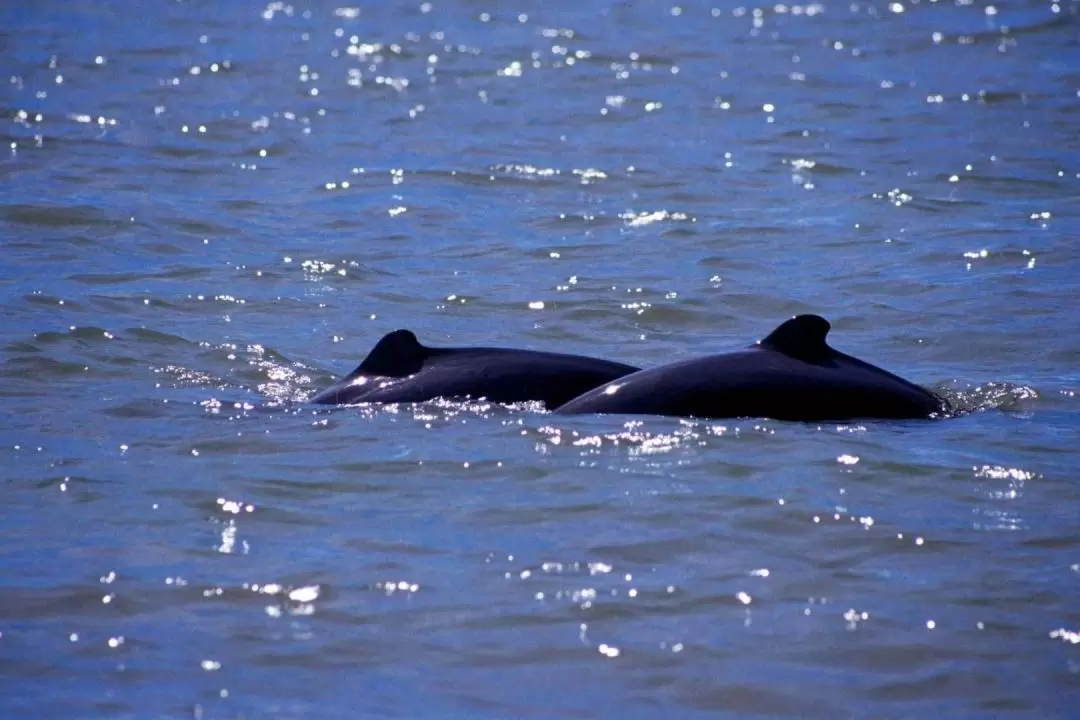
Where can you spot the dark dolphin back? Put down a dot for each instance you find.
(792, 374)
(398, 354)
(400, 369)
(802, 337)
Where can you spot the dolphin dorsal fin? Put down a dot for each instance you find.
(802, 337)
(397, 354)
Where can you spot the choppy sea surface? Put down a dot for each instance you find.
(209, 210)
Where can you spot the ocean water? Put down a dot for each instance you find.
(210, 210)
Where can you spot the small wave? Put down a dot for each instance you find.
(988, 396)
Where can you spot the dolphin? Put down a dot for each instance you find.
(792, 374)
(400, 369)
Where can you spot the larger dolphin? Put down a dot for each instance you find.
(790, 375)
(400, 369)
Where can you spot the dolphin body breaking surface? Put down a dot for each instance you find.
(400, 369)
(790, 375)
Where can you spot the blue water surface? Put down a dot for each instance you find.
(212, 210)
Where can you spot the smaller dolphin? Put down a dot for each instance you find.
(400, 369)
(790, 375)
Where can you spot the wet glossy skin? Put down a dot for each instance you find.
(791, 375)
(400, 369)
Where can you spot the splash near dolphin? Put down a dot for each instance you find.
(400, 369)
(792, 374)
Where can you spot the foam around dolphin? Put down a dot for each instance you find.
(400, 369)
(792, 374)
